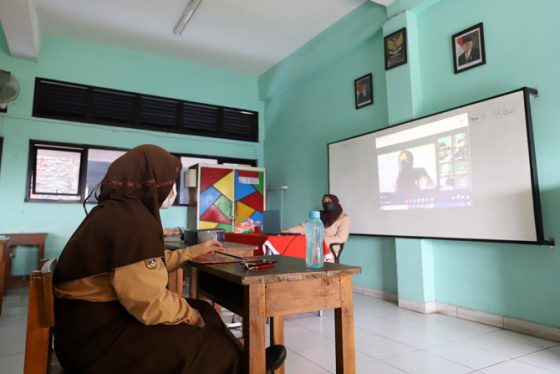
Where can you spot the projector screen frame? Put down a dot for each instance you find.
(537, 211)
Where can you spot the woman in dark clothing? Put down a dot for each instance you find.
(113, 311)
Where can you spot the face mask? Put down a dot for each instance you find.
(170, 198)
(329, 207)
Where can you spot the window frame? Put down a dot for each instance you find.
(35, 144)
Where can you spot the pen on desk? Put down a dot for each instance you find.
(227, 254)
(263, 266)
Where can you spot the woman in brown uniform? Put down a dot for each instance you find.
(113, 311)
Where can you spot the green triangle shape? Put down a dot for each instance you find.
(260, 187)
(228, 228)
(225, 206)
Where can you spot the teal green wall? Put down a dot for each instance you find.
(316, 106)
(88, 63)
(516, 280)
(311, 111)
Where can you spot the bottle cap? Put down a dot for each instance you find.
(314, 214)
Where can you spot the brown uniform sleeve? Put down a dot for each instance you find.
(141, 289)
(174, 259)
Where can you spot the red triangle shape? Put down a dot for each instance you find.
(209, 176)
(213, 214)
(254, 200)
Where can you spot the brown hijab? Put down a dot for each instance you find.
(125, 227)
(329, 218)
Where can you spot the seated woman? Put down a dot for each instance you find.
(113, 311)
(337, 224)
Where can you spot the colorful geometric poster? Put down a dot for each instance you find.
(249, 198)
(216, 198)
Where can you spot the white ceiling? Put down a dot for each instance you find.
(245, 36)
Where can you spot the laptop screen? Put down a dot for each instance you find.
(271, 222)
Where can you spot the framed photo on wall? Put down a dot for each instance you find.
(395, 49)
(468, 48)
(363, 91)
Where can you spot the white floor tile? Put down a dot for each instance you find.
(455, 329)
(298, 364)
(381, 347)
(324, 355)
(297, 337)
(420, 362)
(469, 356)
(325, 326)
(547, 359)
(377, 367)
(514, 367)
(12, 364)
(374, 324)
(414, 337)
(12, 346)
(507, 344)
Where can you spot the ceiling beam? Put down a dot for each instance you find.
(21, 27)
(383, 2)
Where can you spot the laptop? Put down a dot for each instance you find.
(271, 222)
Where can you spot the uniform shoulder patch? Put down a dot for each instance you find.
(151, 263)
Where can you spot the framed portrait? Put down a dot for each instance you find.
(363, 91)
(468, 48)
(395, 49)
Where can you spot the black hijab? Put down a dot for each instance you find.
(329, 218)
(125, 227)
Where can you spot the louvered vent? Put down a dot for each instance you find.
(61, 100)
(200, 119)
(240, 124)
(81, 103)
(113, 107)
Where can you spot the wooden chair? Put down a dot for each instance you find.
(39, 356)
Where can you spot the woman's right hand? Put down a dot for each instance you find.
(204, 248)
(200, 322)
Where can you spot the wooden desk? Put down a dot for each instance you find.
(175, 281)
(289, 288)
(3, 268)
(23, 239)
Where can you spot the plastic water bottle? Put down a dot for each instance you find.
(314, 229)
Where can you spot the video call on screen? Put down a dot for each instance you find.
(426, 167)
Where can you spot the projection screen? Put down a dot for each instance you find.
(466, 173)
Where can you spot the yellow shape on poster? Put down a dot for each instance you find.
(242, 212)
(207, 225)
(225, 186)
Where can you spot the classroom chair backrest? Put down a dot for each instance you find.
(40, 320)
(335, 254)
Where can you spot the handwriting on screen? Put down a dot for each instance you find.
(496, 113)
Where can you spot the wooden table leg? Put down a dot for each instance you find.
(344, 329)
(253, 328)
(193, 285)
(277, 336)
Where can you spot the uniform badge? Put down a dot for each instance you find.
(151, 263)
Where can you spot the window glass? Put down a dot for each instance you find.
(57, 174)
(98, 161)
(187, 162)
